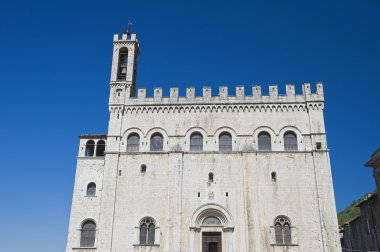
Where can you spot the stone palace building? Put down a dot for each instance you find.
(210, 173)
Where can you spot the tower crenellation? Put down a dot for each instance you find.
(125, 37)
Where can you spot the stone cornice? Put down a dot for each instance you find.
(212, 152)
(215, 107)
(228, 229)
(120, 83)
(93, 136)
(195, 229)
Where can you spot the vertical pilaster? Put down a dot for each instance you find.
(122, 88)
(107, 207)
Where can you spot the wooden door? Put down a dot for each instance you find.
(212, 242)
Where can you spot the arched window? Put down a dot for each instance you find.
(90, 148)
(143, 233)
(123, 64)
(264, 141)
(282, 230)
(225, 142)
(156, 142)
(100, 148)
(91, 189)
(196, 142)
(274, 176)
(133, 142)
(147, 231)
(211, 221)
(87, 236)
(290, 141)
(151, 233)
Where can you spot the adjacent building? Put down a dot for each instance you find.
(363, 232)
(374, 163)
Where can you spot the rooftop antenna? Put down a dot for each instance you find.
(129, 27)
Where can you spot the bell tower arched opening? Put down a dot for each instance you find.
(123, 64)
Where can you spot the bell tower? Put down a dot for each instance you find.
(124, 67)
(123, 82)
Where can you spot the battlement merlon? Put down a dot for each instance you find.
(125, 37)
(257, 97)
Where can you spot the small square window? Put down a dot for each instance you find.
(319, 145)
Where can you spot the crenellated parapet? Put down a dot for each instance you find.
(223, 97)
(257, 96)
(257, 102)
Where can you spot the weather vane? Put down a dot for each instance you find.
(129, 27)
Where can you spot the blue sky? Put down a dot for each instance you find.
(55, 61)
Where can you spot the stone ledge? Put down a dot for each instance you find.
(92, 158)
(93, 136)
(198, 107)
(210, 152)
(284, 245)
(146, 245)
(85, 249)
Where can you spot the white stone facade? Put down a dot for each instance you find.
(249, 188)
